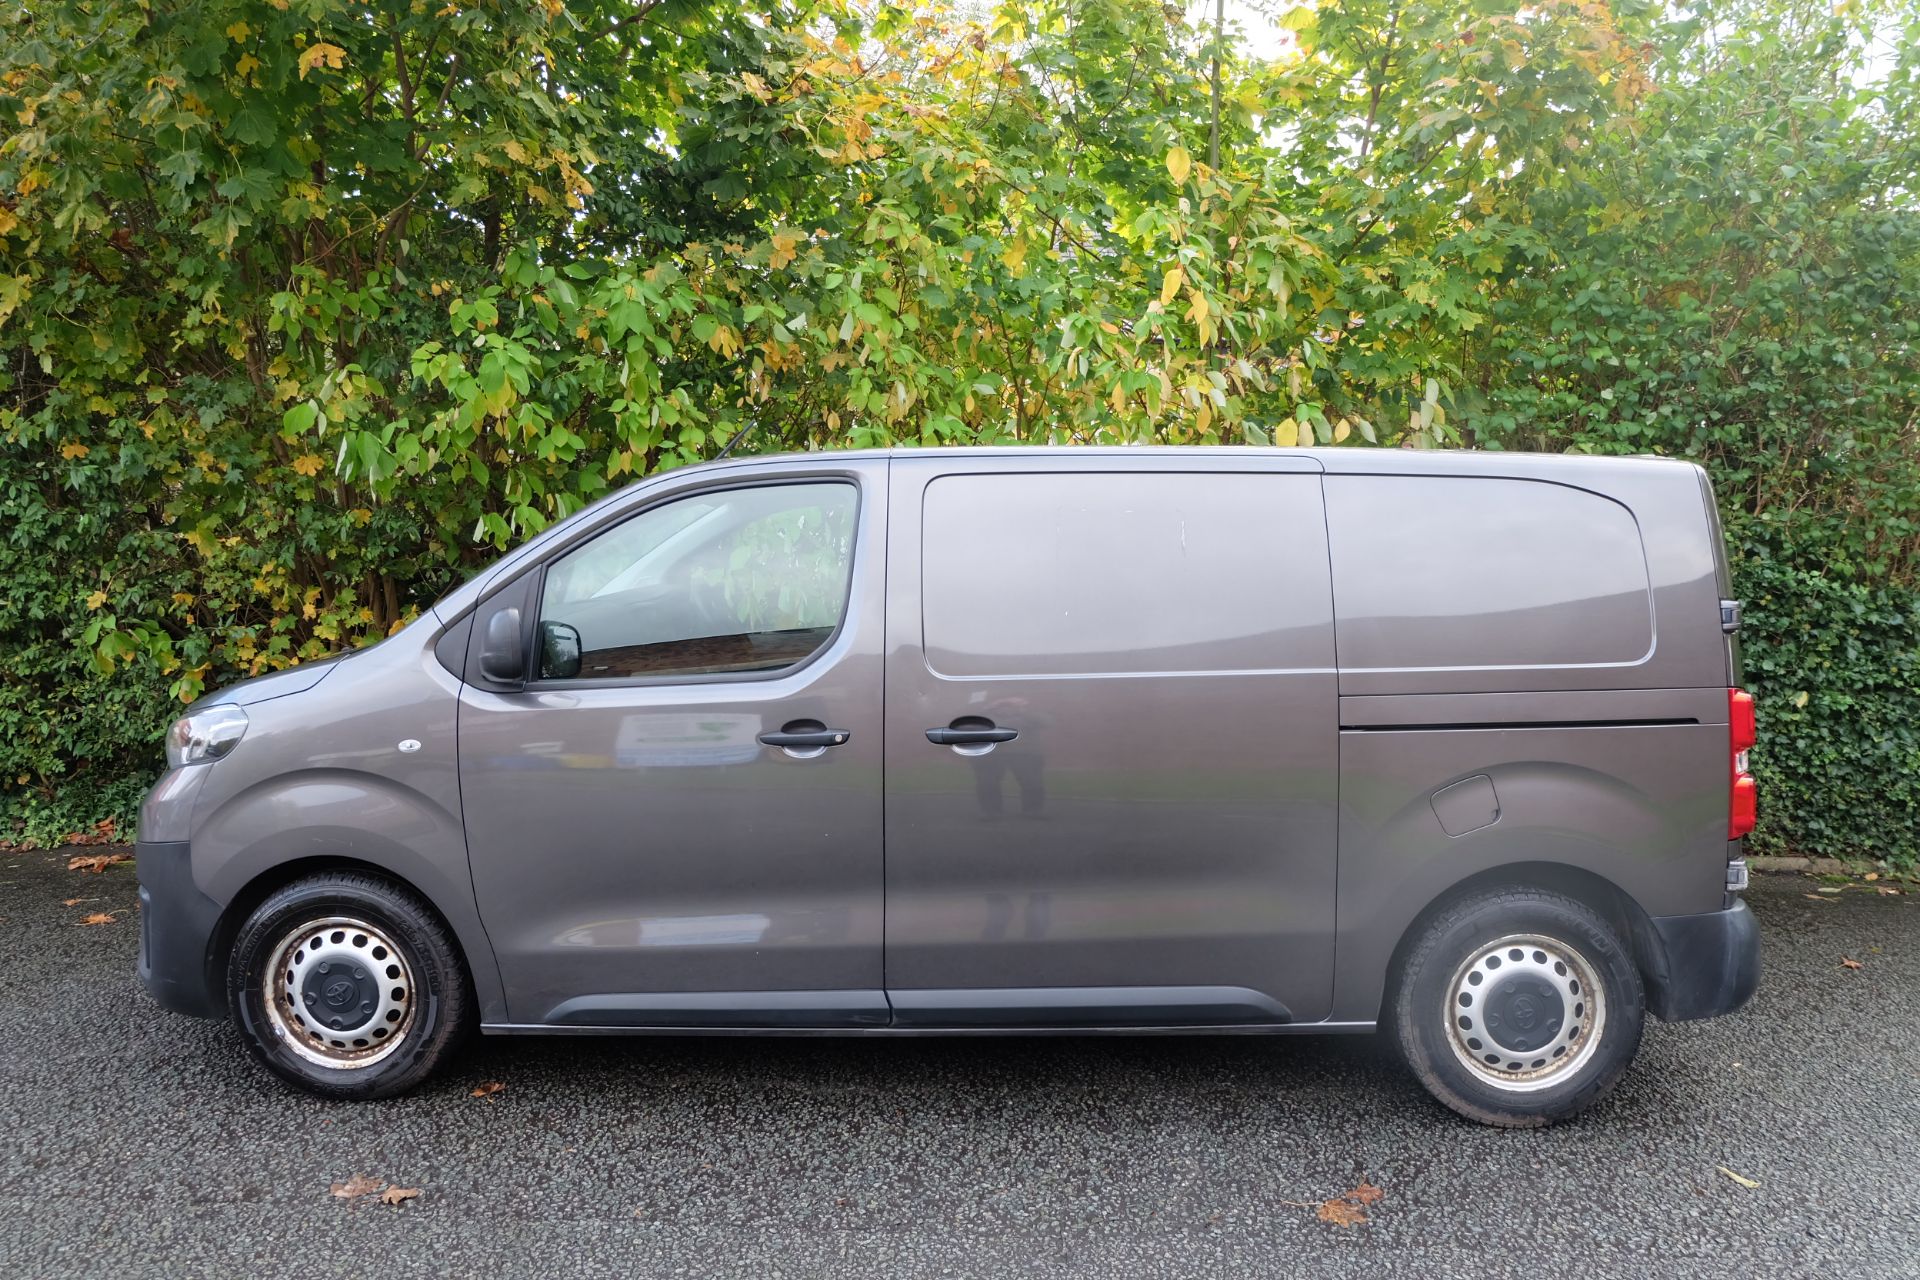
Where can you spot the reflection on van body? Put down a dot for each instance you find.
(658, 741)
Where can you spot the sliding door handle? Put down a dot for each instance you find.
(969, 732)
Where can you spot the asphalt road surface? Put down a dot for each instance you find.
(137, 1142)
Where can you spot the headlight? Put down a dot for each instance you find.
(205, 735)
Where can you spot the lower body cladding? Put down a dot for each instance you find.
(1694, 966)
(177, 929)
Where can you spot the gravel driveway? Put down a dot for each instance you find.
(139, 1142)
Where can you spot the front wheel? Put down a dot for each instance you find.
(347, 986)
(1518, 1007)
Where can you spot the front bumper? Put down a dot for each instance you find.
(1702, 966)
(177, 924)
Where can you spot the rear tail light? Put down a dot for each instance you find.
(1743, 796)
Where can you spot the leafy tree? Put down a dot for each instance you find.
(308, 306)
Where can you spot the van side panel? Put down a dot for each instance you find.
(1641, 806)
(1489, 583)
(1551, 636)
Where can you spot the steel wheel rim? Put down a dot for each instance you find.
(338, 969)
(1525, 1012)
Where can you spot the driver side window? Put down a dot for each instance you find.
(737, 580)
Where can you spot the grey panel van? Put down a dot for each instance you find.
(981, 741)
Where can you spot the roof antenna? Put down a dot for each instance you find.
(736, 440)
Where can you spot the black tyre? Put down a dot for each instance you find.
(1518, 1007)
(347, 986)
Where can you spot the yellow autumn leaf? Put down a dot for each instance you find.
(1170, 284)
(247, 65)
(1306, 435)
(1199, 309)
(1179, 164)
(97, 599)
(73, 449)
(1014, 254)
(239, 31)
(331, 55)
(515, 151)
(1341, 430)
(309, 464)
(785, 244)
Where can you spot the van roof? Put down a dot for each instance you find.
(1350, 460)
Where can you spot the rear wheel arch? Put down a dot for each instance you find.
(1518, 1005)
(1597, 893)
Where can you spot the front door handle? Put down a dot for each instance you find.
(970, 732)
(805, 733)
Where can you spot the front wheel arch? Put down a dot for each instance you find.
(358, 923)
(263, 886)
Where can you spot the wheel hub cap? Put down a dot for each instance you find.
(339, 993)
(1525, 1012)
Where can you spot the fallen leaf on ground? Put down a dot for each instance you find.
(1816, 897)
(1871, 876)
(398, 1195)
(356, 1186)
(74, 902)
(1346, 1210)
(99, 917)
(96, 862)
(1748, 1183)
(1848, 962)
(1888, 890)
(487, 1090)
(103, 832)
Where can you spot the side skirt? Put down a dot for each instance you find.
(1267, 1029)
(928, 1012)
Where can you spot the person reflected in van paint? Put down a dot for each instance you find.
(1020, 761)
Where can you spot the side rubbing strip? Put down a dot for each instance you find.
(1516, 724)
(1558, 709)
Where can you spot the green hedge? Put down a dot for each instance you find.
(1835, 667)
(306, 310)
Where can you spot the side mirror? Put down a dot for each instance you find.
(559, 651)
(503, 657)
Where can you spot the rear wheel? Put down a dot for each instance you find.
(347, 986)
(1518, 1007)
